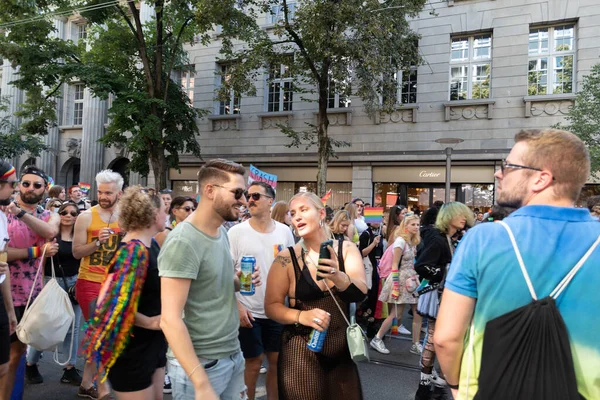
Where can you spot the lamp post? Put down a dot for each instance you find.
(449, 143)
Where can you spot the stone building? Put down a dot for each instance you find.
(491, 68)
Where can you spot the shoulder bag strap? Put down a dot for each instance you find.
(520, 259)
(567, 279)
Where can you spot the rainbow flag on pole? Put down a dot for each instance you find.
(326, 197)
(373, 215)
(85, 187)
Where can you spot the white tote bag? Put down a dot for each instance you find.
(45, 324)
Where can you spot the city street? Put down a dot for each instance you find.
(385, 377)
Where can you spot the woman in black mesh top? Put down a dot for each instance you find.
(302, 373)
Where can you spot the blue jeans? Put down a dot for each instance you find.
(33, 356)
(226, 378)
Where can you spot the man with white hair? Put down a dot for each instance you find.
(95, 241)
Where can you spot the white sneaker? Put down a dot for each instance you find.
(378, 345)
(167, 389)
(403, 331)
(263, 369)
(436, 379)
(425, 379)
(417, 348)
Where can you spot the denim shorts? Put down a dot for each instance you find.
(226, 377)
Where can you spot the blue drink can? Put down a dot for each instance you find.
(247, 265)
(316, 340)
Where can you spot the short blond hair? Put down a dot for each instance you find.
(339, 217)
(451, 210)
(560, 152)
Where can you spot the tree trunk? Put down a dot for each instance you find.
(323, 141)
(158, 161)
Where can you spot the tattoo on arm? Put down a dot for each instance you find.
(284, 261)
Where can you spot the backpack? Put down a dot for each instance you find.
(385, 262)
(526, 352)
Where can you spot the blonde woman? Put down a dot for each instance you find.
(339, 225)
(352, 232)
(394, 291)
(296, 274)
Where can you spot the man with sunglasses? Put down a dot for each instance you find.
(198, 279)
(262, 237)
(542, 177)
(31, 230)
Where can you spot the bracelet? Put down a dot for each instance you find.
(194, 370)
(298, 318)
(33, 252)
(455, 387)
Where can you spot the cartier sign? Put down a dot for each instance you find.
(428, 174)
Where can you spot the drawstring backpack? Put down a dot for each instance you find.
(526, 352)
(45, 324)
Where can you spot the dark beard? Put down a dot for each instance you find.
(5, 202)
(30, 198)
(107, 207)
(225, 212)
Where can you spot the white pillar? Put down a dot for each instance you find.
(92, 152)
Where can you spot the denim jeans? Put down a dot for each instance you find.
(226, 377)
(33, 355)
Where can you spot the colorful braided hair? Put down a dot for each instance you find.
(108, 331)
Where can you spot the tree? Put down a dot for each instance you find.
(125, 56)
(14, 142)
(584, 117)
(326, 47)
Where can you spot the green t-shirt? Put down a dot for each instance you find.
(210, 312)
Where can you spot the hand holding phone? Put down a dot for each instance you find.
(324, 253)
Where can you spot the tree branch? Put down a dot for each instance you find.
(298, 41)
(172, 55)
(131, 27)
(139, 34)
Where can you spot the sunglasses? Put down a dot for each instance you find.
(64, 213)
(237, 193)
(14, 184)
(36, 185)
(255, 196)
(166, 191)
(188, 209)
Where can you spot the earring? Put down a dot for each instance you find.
(321, 223)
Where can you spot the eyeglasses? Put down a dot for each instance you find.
(255, 196)
(409, 214)
(36, 185)
(166, 191)
(237, 193)
(14, 184)
(506, 165)
(64, 213)
(188, 209)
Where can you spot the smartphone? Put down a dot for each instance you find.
(324, 253)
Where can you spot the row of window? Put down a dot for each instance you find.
(550, 71)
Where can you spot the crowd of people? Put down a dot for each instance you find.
(155, 284)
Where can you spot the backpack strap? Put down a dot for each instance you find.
(520, 259)
(563, 284)
(566, 280)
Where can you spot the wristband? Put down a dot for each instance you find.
(455, 387)
(298, 318)
(33, 252)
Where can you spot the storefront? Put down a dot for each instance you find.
(421, 186)
(290, 180)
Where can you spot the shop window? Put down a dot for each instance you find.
(386, 195)
(478, 196)
(185, 188)
(341, 192)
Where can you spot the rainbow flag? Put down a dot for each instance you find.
(326, 197)
(50, 182)
(85, 187)
(373, 215)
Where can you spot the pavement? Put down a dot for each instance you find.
(394, 376)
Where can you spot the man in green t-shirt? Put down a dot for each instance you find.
(198, 283)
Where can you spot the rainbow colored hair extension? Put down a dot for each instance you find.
(108, 331)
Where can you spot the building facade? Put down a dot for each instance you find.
(491, 68)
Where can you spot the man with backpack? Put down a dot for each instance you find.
(518, 317)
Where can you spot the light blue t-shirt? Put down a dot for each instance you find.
(551, 240)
